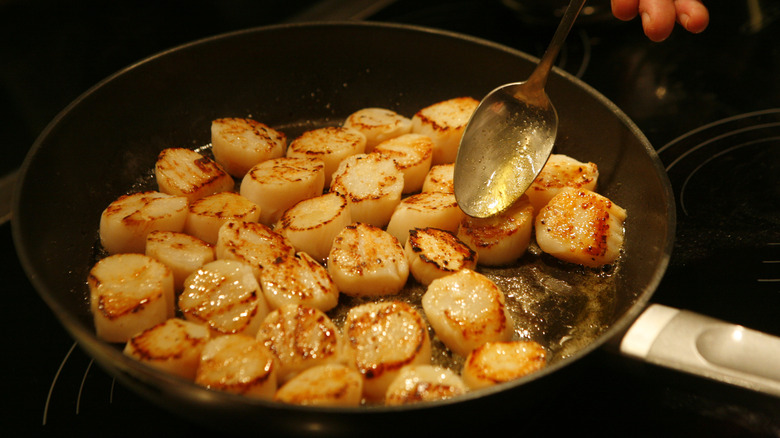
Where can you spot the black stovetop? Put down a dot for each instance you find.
(709, 103)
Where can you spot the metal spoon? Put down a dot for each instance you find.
(510, 136)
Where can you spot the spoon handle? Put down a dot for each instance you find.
(538, 78)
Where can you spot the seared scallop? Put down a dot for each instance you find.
(129, 293)
(498, 362)
(252, 243)
(382, 338)
(240, 143)
(501, 239)
(182, 253)
(238, 364)
(372, 186)
(420, 383)
(125, 223)
(207, 215)
(173, 346)
(378, 125)
(440, 179)
(300, 337)
(277, 184)
(184, 172)
(312, 224)
(433, 253)
(561, 171)
(466, 309)
(412, 154)
(426, 209)
(330, 144)
(331, 384)
(298, 279)
(444, 122)
(367, 261)
(582, 227)
(225, 296)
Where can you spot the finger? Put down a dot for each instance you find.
(692, 15)
(625, 9)
(658, 18)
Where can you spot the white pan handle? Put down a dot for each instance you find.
(707, 347)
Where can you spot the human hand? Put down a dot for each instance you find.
(659, 16)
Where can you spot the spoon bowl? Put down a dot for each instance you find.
(509, 137)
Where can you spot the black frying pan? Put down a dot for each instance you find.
(294, 77)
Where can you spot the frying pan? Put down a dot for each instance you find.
(296, 77)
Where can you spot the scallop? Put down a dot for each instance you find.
(421, 383)
(312, 224)
(466, 309)
(125, 223)
(238, 364)
(332, 384)
(184, 172)
(501, 239)
(367, 261)
(382, 338)
(240, 143)
(277, 184)
(372, 186)
(440, 179)
(298, 279)
(252, 243)
(498, 362)
(582, 227)
(129, 293)
(300, 337)
(378, 125)
(444, 122)
(433, 253)
(173, 346)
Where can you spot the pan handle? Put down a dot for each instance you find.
(705, 346)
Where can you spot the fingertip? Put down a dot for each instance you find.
(656, 30)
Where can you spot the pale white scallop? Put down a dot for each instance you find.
(300, 337)
(444, 122)
(424, 383)
(224, 296)
(466, 309)
(252, 243)
(501, 239)
(580, 226)
(207, 215)
(277, 184)
(173, 346)
(238, 364)
(182, 253)
(372, 186)
(330, 144)
(129, 293)
(440, 179)
(125, 223)
(312, 224)
(298, 279)
(240, 143)
(367, 261)
(433, 253)
(498, 362)
(426, 209)
(185, 172)
(561, 171)
(412, 154)
(382, 338)
(378, 125)
(331, 384)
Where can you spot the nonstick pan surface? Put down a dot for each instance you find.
(295, 77)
